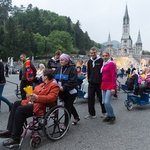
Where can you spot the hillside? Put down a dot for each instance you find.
(115, 43)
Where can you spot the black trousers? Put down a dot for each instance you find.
(17, 118)
(92, 90)
(68, 104)
(23, 84)
(139, 89)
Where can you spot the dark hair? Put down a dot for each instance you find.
(58, 52)
(79, 67)
(23, 55)
(93, 48)
(106, 53)
(48, 73)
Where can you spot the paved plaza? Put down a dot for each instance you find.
(130, 132)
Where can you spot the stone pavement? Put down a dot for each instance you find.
(130, 132)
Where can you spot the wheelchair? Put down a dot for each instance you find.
(135, 100)
(51, 124)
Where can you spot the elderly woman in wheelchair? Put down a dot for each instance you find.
(44, 96)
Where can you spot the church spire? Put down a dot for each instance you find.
(126, 17)
(139, 38)
(109, 40)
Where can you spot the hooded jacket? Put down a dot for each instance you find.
(68, 78)
(52, 63)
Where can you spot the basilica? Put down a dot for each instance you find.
(126, 47)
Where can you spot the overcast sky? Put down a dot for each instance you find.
(99, 17)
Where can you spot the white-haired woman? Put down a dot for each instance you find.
(39, 74)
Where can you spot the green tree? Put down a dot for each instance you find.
(79, 37)
(39, 32)
(71, 30)
(27, 43)
(2, 34)
(5, 8)
(145, 52)
(42, 45)
(87, 41)
(10, 39)
(60, 40)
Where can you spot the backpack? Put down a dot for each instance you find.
(130, 83)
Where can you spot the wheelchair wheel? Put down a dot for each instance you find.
(35, 142)
(18, 93)
(129, 105)
(125, 103)
(56, 123)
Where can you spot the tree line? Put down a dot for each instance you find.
(39, 32)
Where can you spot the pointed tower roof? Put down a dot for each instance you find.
(109, 43)
(139, 38)
(126, 16)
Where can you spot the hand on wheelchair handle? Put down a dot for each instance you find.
(61, 88)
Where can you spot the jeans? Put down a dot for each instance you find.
(3, 98)
(106, 97)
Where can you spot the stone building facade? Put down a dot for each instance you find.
(126, 47)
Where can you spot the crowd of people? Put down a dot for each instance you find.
(63, 78)
(138, 80)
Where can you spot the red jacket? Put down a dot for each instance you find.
(47, 96)
(109, 77)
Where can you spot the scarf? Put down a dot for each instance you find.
(66, 57)
(105, 63)
(93, 60)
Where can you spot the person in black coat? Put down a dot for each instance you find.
(54, 62)
(2, 84)
(6, 70)
(94, 78)
(130, 70)
(66, 76)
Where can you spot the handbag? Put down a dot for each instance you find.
(144, 85)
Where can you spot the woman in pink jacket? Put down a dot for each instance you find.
(108, 86)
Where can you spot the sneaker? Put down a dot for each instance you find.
(90, 117)
(106, 119)
(75, 121)
(103, 115)
(114, 98)
(86, 95)
(63, 128)
(112, 120)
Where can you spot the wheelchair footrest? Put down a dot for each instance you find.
(143, 103)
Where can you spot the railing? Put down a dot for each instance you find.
(17, 90)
